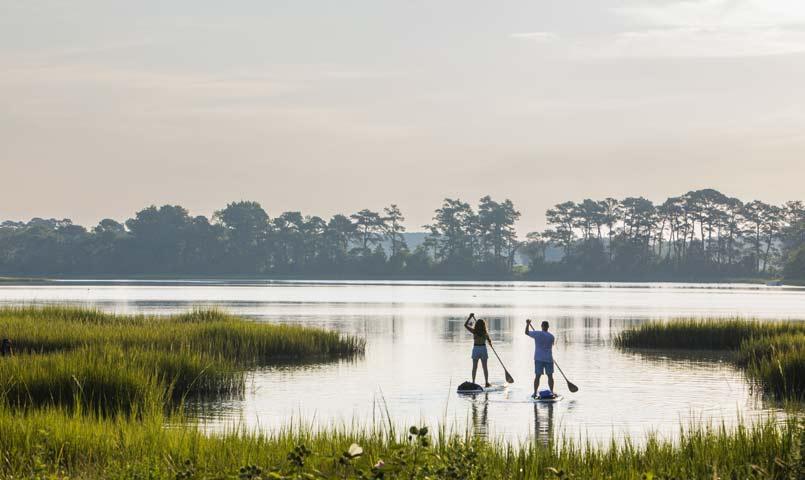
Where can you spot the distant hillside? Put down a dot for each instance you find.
(414, 239)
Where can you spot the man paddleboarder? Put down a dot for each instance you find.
(543, 354)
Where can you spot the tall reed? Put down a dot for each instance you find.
(710, 334)
(773, 353)
(48, 329)
(110, 379)
(87, 360)
(778, 362)
(58, 443)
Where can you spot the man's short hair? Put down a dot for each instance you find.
(544, 325)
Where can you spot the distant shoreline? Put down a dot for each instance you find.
(39, 279)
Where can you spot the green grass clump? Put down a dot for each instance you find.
(111, 379)
(773, 353)
(778, 362)
(754, 349)
(702, 334)
(49, 329)
(54, 443)
(87, 360)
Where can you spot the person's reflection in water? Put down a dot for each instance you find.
(480, 415)
(543, 423)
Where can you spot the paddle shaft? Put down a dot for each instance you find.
(560, 371)
(509, 378)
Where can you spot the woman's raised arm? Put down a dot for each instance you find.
(467, 324)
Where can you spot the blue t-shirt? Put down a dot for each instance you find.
(543, 343)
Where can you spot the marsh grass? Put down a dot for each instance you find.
(111, 379)
(778, 362)
(703, 334)
(51, 329)
(58, 443)
(772, 353)
(86, 360)
(89, 395)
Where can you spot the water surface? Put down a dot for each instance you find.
(418, 351)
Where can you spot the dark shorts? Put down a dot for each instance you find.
(479, 352)
(540, 367)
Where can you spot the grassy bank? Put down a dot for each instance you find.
(52, 443)
(773, 353)
(110, 379)
(73, 357)
(211, 332)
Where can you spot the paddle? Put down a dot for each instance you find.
(509, 378)
(570, 386)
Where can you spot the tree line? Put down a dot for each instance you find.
(700, 234)
(243, 239)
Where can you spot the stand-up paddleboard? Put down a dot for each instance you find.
(469, 388)
(553, 399)
(496, 387)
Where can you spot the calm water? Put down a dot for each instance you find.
(418, 352)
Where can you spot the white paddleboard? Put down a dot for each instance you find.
(496, 387)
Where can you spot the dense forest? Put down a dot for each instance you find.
(702, 234)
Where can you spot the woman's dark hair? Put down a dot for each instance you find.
(480, 328)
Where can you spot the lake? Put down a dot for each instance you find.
(418, 352)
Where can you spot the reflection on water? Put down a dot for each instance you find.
(543, 433)
(480, 414)
(543, 423)
(681, 358)
(418, 352)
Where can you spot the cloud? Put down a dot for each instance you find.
(688, 29)
(715, 13)
(353, 74)
(704, 42)
(539, 36)
(712, 28)
(61, 77)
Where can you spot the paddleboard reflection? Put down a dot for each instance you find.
(543, 423)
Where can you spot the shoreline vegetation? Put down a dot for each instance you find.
(514, 277)
(77, 358)
(771, 353)
(94, 395)
(701, 235)
(53, 444)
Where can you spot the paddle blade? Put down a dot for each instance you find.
(509, 378)
(572, 387)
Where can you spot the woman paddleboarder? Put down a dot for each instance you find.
(480, 336)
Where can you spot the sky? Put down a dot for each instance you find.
(334, 106)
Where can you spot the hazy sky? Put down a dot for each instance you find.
(333, 106)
